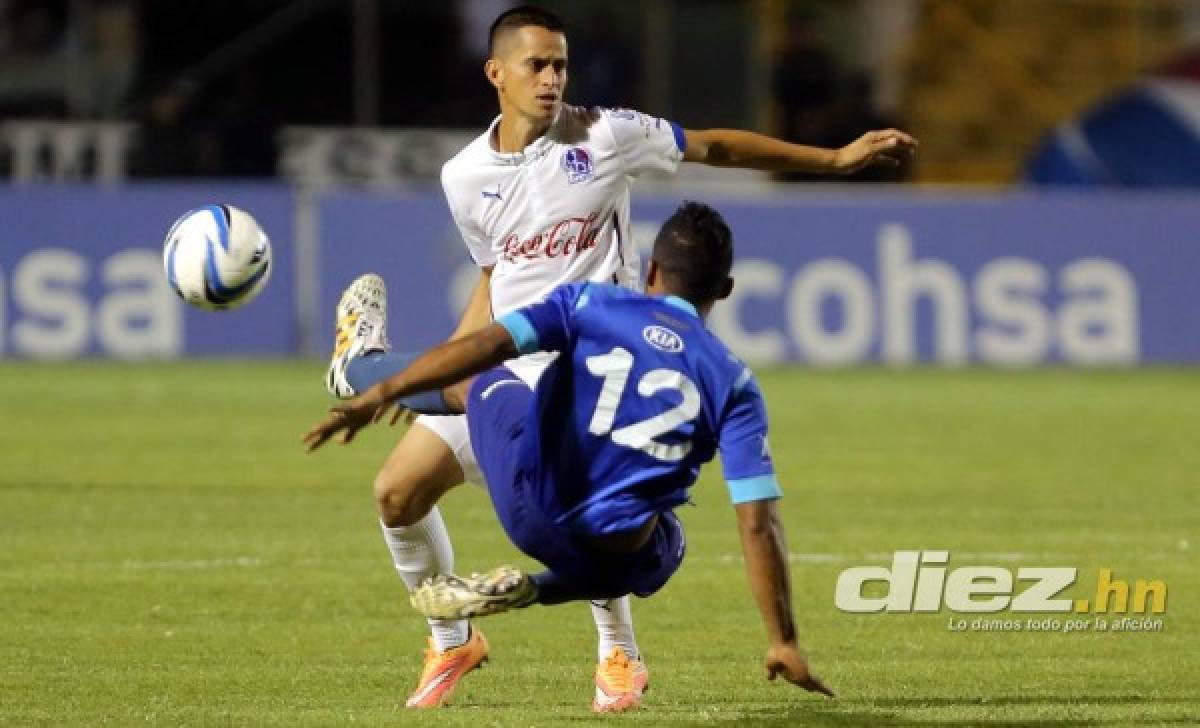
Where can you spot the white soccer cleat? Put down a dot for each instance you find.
(447, 596)
(361, 327)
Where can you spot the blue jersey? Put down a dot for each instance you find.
(640, 397)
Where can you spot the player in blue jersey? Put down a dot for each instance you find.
(585, 471)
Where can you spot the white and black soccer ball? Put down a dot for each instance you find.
(217, 257)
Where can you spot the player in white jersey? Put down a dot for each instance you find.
(541, 199)
(557, 211)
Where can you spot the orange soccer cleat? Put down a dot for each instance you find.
(443, 670)
(620, 683)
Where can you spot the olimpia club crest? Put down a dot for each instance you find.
(577, 162)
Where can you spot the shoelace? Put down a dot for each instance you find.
(618, 670)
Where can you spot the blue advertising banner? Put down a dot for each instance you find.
(822, 278)
(411, 241)
(1005, 280)
(1008, 280)
(81, 274)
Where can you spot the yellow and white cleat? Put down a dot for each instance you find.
(443, 670)
(620, 682)
(361, 328)
(447, 596)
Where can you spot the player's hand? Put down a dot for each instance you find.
(785, 660)
(403, 414)
(889, 147)
(347, 418)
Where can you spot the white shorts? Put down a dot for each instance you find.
(453, 428)
(453, 431)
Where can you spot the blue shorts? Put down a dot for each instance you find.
(502, 417)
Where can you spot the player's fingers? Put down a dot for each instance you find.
(901, 137)
(315, 438)
(895, 146)
(874, 149)
(772, 670)
(316, 430)
(888, 144)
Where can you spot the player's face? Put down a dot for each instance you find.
(530, 71)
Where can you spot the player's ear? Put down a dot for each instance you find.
(726, 289)
(494, 73)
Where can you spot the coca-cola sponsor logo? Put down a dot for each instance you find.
(568, 237)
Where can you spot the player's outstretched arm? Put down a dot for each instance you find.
(765, 551)
(441, 366)
(748, 150)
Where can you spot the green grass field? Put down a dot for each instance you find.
(168, 555)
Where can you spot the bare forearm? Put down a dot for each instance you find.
(765, 551)
(451, 362)
(478, 312)
(750, 150)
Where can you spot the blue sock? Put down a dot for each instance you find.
(376, 366)
(554, 588)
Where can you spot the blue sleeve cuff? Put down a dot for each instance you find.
(680, 137)
(521, 331)
(761, 487)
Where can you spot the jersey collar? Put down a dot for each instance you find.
(536, 149)
(681, 304)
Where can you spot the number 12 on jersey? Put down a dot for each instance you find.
(614, 368)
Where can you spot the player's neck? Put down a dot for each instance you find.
(515, 132)
(660, 291)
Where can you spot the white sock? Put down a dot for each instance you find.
(420, 551)
(614, 623)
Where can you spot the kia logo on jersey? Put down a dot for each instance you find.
(571, 236)
(663, 338)
(578, 164)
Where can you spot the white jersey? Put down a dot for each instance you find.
(557, 212)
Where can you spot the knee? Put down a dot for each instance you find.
(397, 501)
(415, 476)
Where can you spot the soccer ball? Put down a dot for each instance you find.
(217, 257)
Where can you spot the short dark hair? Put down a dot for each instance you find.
(519, 17)
(694, 250)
